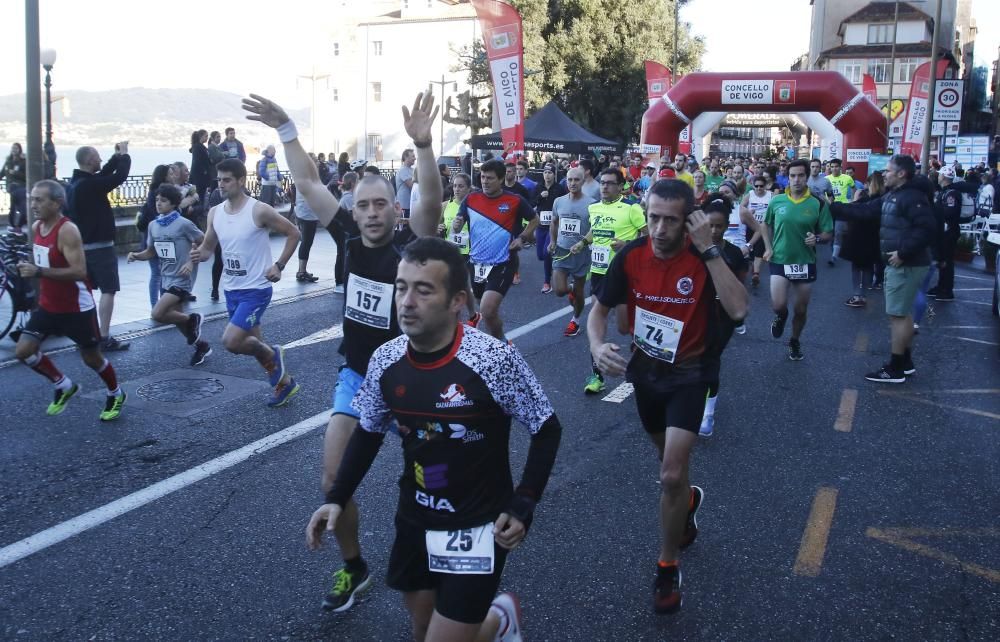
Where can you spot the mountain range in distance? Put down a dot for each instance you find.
(143, 116)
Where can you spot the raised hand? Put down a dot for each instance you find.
(418, 121)
(264, 111)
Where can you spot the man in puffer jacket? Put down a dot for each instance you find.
(908, 228)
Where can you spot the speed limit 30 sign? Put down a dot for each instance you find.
(948, 100)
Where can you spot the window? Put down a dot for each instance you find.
(851, 71)
(374, 145)
(879, 69)
(377, 47)
(880, 34)
(336, 49)
(377, 92)
(336, 95)
(905, 68)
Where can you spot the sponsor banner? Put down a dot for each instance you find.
(918, 110)
(657, 80)
(878, 162)
(858, 155)
(869, 89)
(501, 25)
(952, 128)
(948, 100)
(684, 140)
(758, 92)
(937, 128)
(754, 120)
(646, 149)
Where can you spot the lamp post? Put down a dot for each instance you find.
(443, 82)
(48, 59)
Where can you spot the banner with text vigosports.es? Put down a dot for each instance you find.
(916, 111)
(501, 25)
(758, 92)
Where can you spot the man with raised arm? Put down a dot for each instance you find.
(369, 317)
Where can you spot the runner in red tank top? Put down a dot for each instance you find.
(65, 305)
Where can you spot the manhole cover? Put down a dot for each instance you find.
(180, 390)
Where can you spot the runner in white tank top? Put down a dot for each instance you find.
(755, 205)
(241, 226)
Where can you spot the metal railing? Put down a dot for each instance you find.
(135, 188)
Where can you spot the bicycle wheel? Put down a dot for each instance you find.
(8, 311)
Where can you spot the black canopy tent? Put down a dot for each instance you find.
(549, 130)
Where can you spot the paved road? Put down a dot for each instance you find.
(835, 508)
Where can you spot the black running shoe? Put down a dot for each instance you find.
(667, 596)
(112, 344)
(193, 330)
(795, 350)
(909, 368)
(886, 374)
(201, 352)
(346, 586)
(691, 527)
(778, 326)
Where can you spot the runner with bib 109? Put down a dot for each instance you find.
(450, 392)
(673, 284)
(793, 224)
(370, 317)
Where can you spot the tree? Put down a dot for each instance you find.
(589, 57)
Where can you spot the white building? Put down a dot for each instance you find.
(380, 54)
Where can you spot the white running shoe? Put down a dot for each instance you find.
(510, 621)
(707, 426)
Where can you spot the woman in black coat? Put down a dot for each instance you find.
(860, 245)
(201, 165)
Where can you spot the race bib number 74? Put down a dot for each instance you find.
(657, 335)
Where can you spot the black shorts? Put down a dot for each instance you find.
(758, 249)
(80, 327)
(102, 269)
(810, 273)
(180, 293)
(498, 280)
(463, 598)
(680, 408)
(596, 281)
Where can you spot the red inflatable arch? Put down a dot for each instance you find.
(826, 92)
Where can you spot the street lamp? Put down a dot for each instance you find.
(48, 59)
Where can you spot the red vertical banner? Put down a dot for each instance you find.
(917, 111)
(868, 88)
(501, 26)
(657, 80)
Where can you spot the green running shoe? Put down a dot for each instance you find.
(595, 385)
(113, 408)
(62, 398)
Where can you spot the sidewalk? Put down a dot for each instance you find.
(132, 307)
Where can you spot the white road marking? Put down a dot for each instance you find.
(973, 278)
(973, 302)
(91, 519)
(327, 334)
(973, 289)
(65, 530)
(966, 327)
(988, 343)
(619, 394)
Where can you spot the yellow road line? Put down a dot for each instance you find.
(861, 342)
(893, 536)
(845, 415)
(813, 547)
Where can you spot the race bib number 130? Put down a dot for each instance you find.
(797, 272)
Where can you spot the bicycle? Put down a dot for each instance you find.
(17, 294)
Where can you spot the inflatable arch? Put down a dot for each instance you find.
(825, 100)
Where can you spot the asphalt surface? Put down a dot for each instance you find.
(822, 520)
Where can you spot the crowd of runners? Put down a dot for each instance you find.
(673, 252)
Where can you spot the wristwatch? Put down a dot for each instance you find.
(281, 266)
(711, 252)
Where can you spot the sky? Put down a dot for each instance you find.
(261, 45)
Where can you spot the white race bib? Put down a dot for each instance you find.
(233, 264)
(797, 271)
(461, 239)
(369, 302)
(569, 225)
(545, 217)
(165, 251)
(41, 254)
(600, 256)
(468, 551)
(480, 272)
(657, 335)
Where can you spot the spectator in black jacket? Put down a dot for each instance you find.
(14, 170)
(949, 208)
(92, 214)
(215, 156)
(201, 164)
(906, 233)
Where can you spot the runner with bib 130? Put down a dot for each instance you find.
(450, 392)
(673, 284)
(793, 224)
(370, 317)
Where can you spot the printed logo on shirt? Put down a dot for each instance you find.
(431, 477)
(453, 397)
(685, 285)
(503, 208)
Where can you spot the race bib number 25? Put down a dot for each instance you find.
(468, 551)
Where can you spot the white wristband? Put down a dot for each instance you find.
(287, 132)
